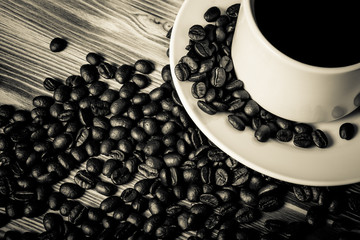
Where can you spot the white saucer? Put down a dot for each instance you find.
(338, 164)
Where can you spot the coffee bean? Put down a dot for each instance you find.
(212, 14)
(55, 200)
(129, 195)
(85, 179)
(182, 71)
(193, 192)
(120, 176)
(212, 221)
(236, 122)
(105, 188)
(302, 193)
(89, 73)
(209, 199)
(78, 214)
(319, 138)
(303, 140)
(94, 58)
(52, 222)
(106, 70)
(303, 128)
(111, 203)
(246, 215)
(203, 49)
(233, 10)
(196, 33)
(58, 44)
(51, 84)
(206, 107)
(269, 203)
(128, 90)
(347, 131)
(144, 66)
(71, 190)
(284, 135)
(123, 73)
(148, 172)
(152, 223)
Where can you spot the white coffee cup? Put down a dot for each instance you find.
(286, 87)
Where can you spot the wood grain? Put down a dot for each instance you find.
(123, 31)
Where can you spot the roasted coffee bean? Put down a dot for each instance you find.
(218, 77)
(193, 192)
(191, 175)
(156, 206)
(246, 215)
(66, 207)
(151, 108)
(284, 135)
(216, 155)
(56, 199)
(111, 203)
(248, 197)
(143, 186)
(90, 228)
(262, 134)
(209, 199)
(182, 71)
(128, 90)
(198, 90)
(124, 73)
(42, 101)
(269, 203)
(51, 84)
(302, 193)
(120, 176)
(186, 220)
(236, 122)
(148, 172)
(135, 113)
(221, 177)
(319, 138)
(71, 190)
(140, 204)
(203, 50)
(212, 221)
(212, 14)
(52, 222)
(240, 176)
(94, 165)
(89, 73)
(105, 188)
(197, 33)
(152, 223)
(58, 44)
(79, 154)
(269, 189)
(166, 73)
(117, 133)
(94, 58)
(62, 141)
(106, 70)
(129, 194)
(233, 10)
(303, 128)
(347, 131)
(144, 66)
(74, 81)
(62, 93)
(85, 179)
(109, 95)
(78, 214)
(303, 140)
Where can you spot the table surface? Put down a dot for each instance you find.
(123, 31)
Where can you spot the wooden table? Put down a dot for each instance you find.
(123, 31)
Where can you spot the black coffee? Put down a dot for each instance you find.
(319, 33)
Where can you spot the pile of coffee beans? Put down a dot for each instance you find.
(183, 185)
(209, 66)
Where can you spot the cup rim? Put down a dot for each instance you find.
(249, 14)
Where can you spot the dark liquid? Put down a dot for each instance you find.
(319, 33)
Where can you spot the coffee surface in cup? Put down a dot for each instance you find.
(318, 33)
